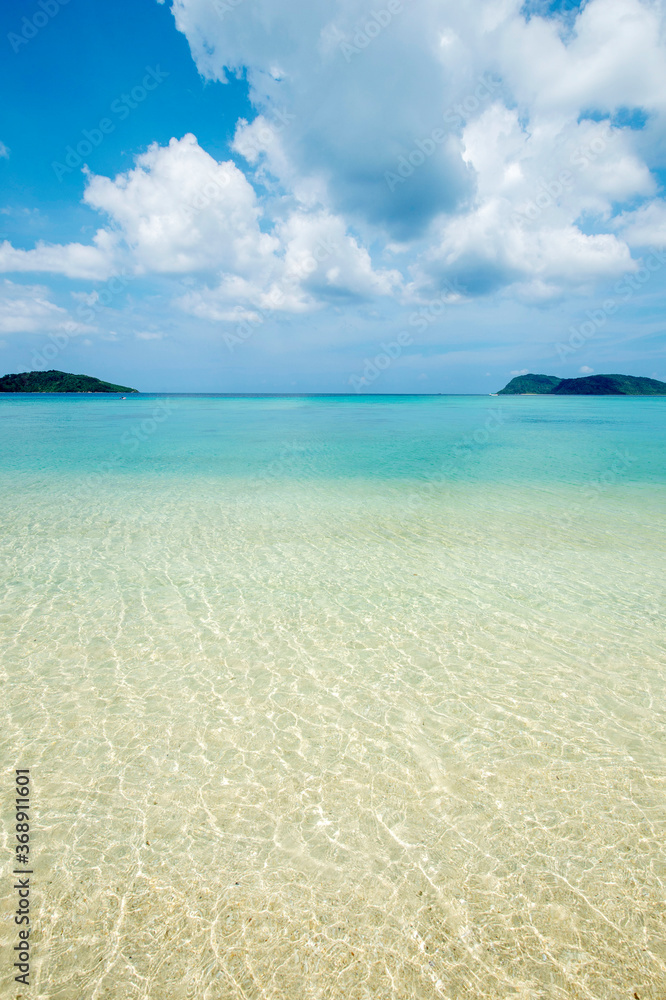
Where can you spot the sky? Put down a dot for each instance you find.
(340, 196)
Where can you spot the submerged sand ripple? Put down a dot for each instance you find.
(323, 740)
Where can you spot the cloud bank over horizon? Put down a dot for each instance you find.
(501, 162)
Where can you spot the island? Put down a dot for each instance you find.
(587, 385)
(55, 381)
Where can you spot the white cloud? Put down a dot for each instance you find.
(180, 211)
(586, 370)
(645, 226)
(148, 335)
(74, 260)
(348, 120)
(4, 151)
(28, 309)
(318, 262)
(496, 160)
(533, 187)
(331, 126)
(613, 58)
(343, 266)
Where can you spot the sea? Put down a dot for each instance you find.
(330, 697)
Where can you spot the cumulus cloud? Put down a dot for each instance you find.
(612, 58)
(512, 153)
(318, 262)
(28, 309)
(74, 260)
(452, 154)
(484, 251)
(645, 226)
(350, 114)
(180, 211)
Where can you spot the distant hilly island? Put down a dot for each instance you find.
(55, 381)
(550, 385)
(587, 385)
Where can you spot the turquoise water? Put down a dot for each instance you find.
(330, 697)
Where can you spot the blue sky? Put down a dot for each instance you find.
(408, 196)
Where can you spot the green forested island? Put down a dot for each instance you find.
(587, 385)
(55, 381)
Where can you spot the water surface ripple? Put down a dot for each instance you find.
(337, 698)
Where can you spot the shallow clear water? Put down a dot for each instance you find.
(337, 697)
